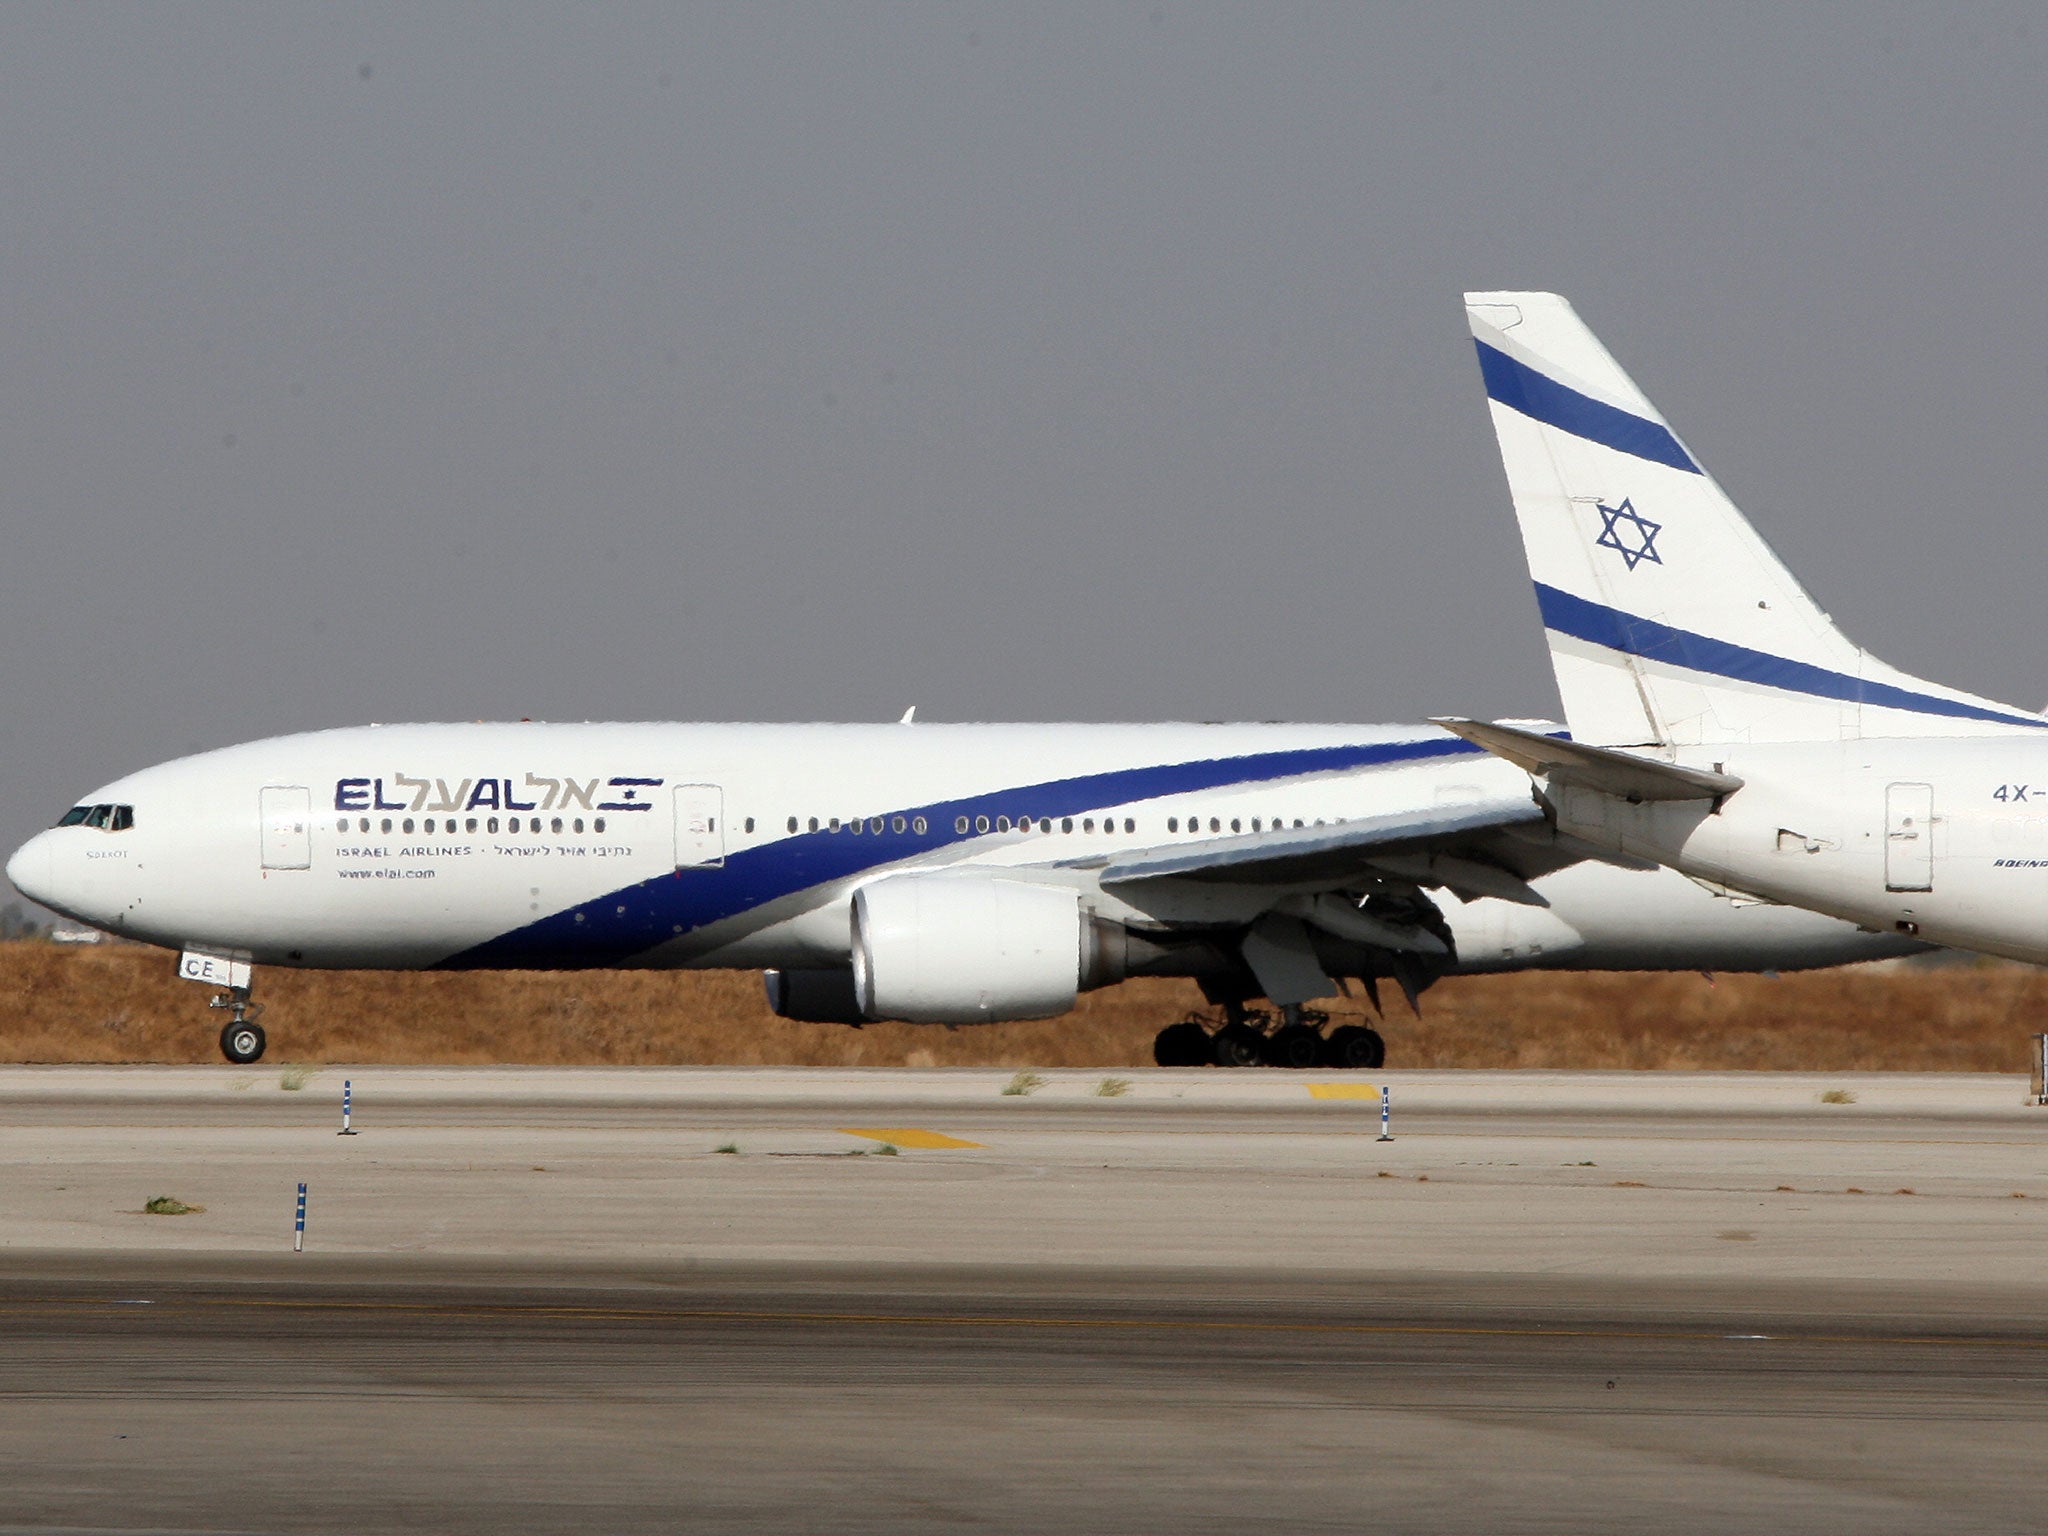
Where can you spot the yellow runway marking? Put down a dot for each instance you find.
(1342, 1091)
(908, 1136)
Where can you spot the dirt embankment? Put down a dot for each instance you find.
(116, 1003)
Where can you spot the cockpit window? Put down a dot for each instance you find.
(108, 818)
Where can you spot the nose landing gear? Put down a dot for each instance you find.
(241, 1038)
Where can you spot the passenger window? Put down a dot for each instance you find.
(469, 825)
(917, 825)
(577, 825)
(492, 824)
(74, 816)
(387, 823)
(597, 825)
(1087, 823)
(814, 823)
(981, 823)
(875, 826)
(1173, 823)
(1255, 823)
(429, 826)
(555, 826)
(1130, 824)
(1236, 825)
(792, 824)
(341, 825)
(750, 824)
(960, 824)
(898, 824)
(1215, 825)
(1066, 823)
(832, 825)
(1002, 823)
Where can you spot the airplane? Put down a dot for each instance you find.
(1719, 722)
(939, 873)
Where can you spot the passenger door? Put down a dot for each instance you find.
(1909, 837)
(700, 826)
(286, 812)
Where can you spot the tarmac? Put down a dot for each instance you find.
(627, 1299)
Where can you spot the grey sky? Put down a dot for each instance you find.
(376, 363)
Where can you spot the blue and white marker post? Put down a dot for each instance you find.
(345, 1131)
(299, 1232)
(1386, 1113)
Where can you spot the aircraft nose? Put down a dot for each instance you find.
(29, 868)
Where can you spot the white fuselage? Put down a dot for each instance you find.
(563, 846)
(1943, 838)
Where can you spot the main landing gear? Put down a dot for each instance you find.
(241, 1038)
(1253, 1038)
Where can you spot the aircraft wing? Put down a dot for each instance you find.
(1469, 846)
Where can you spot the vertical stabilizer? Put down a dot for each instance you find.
(1670, 622)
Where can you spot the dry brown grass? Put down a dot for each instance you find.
(122, 1003)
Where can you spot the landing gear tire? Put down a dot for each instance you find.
(242, 1043)
(1185, 1044)
(1296, 1046)
(1238, 1045)
(1353, 1045)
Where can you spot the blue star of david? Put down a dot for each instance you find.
(1630, 534)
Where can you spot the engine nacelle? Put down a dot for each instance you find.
(813, 997)
(974, 947)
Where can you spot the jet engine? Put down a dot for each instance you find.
(975, 947)
(813, 997)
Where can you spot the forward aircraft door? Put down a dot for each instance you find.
(700, 825)
(286, 812)
(1909, 837)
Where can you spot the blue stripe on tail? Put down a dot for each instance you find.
(1636, 636)
(1518, 386)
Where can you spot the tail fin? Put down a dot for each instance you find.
(1671, 623)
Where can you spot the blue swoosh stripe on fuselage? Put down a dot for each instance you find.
(1519, 387)
(613, 928)
(1619, 631)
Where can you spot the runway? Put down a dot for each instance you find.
(547, 1302)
